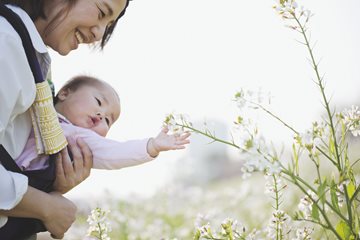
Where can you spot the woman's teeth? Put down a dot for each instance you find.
(79, 38)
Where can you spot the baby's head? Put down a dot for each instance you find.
(89, 103)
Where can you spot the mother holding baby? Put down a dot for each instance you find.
(27, 29)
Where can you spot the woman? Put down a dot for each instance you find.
(61, 25)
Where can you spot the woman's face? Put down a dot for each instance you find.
(85, 22)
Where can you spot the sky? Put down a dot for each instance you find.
(191, 56)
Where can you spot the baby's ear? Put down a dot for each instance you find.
(63, 94)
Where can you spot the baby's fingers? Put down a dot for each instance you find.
(185, 136)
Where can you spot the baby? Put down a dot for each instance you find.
(87, 108)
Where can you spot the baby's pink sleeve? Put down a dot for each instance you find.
(111, 154)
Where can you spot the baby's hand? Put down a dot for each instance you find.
(164, 142)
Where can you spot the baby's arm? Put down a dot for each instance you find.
(164, 142)
(111, 154)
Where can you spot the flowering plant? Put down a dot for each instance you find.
(99, 227)
(331, 196)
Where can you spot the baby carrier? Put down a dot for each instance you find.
(21, 228)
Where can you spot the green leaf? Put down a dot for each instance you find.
(334, 198)
(315, 212)
(343, 230)
(321, 191)
(296, 159)
(197, 235)
(350, 189)
(331, 147)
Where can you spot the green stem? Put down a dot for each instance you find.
(354, 163)
(276, 206)
(285, 171)
(210, 136)
(315, 66)
(100, 231)
(273, 115)
(323, 213)
(316, 222)
(327, 156)
(348, 205)
(355, 193)
(289, 127)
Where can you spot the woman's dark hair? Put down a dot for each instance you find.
(35, 9)
(109, 30)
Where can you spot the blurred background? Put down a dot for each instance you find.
(191, 56)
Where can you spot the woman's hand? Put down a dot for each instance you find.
(60, 214)
(71, 173)
(55, 211)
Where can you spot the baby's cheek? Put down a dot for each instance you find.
(102, 130)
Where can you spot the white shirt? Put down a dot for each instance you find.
(17, 93)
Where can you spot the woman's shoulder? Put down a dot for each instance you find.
(7, 31)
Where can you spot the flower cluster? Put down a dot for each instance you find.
(351, 119)
(313, 138)
(246, 98)
(99, 225)
(288, 9)
(303, 233)
(273, 184)
(305, 205)
(279, 225)
(261, 164)
(175, 122)
(230, 230)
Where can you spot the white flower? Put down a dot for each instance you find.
(99, 226)
(271, 183)
(205, 231)
(279, 223)
(200, 219)
(273, 168)
(176, 122)
(305, 204)
(289, 9)
(303, 233)
(240, 99)
(351, 118)
(311, 139)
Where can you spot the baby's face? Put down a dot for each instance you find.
(92, 107)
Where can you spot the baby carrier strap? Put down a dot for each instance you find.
(21, 29)
(21, 228)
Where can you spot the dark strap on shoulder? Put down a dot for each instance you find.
(20, 28)
(22, 228)
(7, 161)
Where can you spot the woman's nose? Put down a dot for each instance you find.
(98, 31)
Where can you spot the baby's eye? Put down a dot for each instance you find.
(98, 101)
(107, 121)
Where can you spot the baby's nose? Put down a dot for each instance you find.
(99, 115)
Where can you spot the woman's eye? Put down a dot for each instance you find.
(98, 101)
(101, 13)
